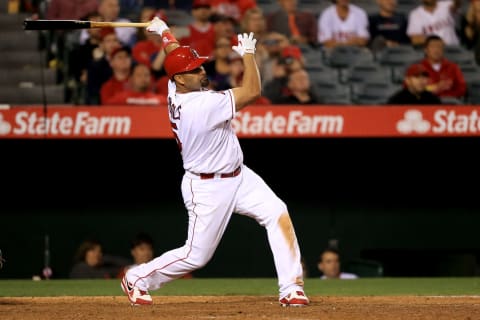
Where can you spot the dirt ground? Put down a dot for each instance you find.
(240, 307)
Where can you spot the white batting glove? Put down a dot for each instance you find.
(246, 44)
(157, 25)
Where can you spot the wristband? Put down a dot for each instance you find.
(168, 38)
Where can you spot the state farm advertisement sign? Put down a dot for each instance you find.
(252, 122)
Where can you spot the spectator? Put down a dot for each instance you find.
(269, 67)
(299, 88)
(388, 28)
(201, 31)
(299, 27)
(434, 17)
(470, 28)
(92, 263)
(109, 10)
(446, 78)
(232, 8)
(99, 71)
(329, 265)
(141, 250)
(414, 90)
(291, 60)
(254, 21)
(225, 26)
(218, 67)
(146, 14)
(70, 9)
(80, 57)
(343, 23)
(139, 91)
(121, 64)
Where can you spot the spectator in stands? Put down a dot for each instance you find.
(446, 77)
(201, 31)
(109, 10)
(218, 67)
(225, 26)
(291, 60)
(92, 263)
(330, 267)
(269, 67)
(144, 50)
(254, 21)
(146, 14)
(342, 24)
(139, 91)
(414, 89)
(232, 8)
(300, 90)
(434, 17)
(300, 27)
(470, 28)
(121, 64)
(388, 28)
(141, 250)
(70, 10)
(80, 57)
(99, 71)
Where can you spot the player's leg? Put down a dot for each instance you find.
(255, 199)
(210, 206)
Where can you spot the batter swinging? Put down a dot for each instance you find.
(216, 183)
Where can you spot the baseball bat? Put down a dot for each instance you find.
(77, 24)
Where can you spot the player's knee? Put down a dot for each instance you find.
(199, 261)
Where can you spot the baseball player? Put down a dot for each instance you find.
(216, 183)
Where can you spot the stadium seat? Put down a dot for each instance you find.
(398, 56)
(54, 94)
(372, 93)
(471, 72)
(322, 74)
(473, 93)
(367, 72)
(398, 74)
(177, 17)
(314, 6)
(347, 56)
(452, 100)
(459, 55)
(333, 92)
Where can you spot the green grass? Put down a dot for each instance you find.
(260, 286)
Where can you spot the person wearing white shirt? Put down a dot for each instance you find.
(343, 23)
(329, 265)
(434, 17)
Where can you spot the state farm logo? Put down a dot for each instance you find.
(442, 121)
(5, 126)
(413, 122)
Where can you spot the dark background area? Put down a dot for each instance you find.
(411, 204)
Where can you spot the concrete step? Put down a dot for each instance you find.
(33, 76)
(32, 95)
(19, 39)
(22, 59)
(12, 21)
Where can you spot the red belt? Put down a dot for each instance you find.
(235, 173)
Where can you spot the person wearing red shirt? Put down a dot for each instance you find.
(233, 8)
(446, 78)
(121, 63)
(201, 31)
(140, 91)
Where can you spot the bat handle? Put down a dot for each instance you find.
(105, 24)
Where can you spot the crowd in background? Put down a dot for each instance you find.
(122, 66)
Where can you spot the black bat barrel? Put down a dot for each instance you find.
(55, 24)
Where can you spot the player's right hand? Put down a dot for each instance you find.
(246, 44)
(157, 25)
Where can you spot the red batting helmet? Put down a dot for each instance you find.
(182, 59)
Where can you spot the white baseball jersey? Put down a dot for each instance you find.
(201, 121)
(330, 26)
(440, 22)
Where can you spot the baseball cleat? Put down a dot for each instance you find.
(136, 296)
(294, 299)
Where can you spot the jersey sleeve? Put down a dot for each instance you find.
(324, 27)
(414, 24)
(363, 24)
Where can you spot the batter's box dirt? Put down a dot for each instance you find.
(240, 307)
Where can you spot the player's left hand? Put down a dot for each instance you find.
(157, 25)
(246, 44)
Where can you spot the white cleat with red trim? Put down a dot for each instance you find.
(295, 298)
(136, 296)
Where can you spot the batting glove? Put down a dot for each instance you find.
(157, 25)
(246, 44)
